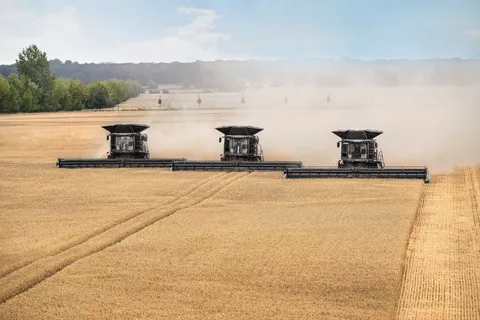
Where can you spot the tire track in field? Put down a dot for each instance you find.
(441, 279)
(108, 226)
(27, 277)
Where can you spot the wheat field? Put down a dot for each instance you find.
(442, 276)
(150, 243)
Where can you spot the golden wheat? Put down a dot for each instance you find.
(442, 274)
(150, 243)
(234, 245)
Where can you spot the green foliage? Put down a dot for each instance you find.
(134, 88)
(25, 93)
(69, 94)
(111, 92)
(14, 97)
(61, 95)
(35, 89)
(117, 91)
(78, 94)
(6, 98)
(97, 95)
(33, 64)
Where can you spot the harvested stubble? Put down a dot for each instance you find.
(442, 273)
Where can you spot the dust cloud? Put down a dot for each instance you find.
(432, 126)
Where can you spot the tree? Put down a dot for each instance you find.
(152, 85)
(134, 88)
(78, 94)
(14, 83)
(33, 64)
(117, 91)
(97, 95)
(61, 95)
(25, 93)
(6, 99)
(35, 88)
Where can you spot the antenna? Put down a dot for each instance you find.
(199, 100)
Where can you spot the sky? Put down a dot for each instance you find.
(175, 30)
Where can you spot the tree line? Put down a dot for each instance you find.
(227, 75)
(34, 88)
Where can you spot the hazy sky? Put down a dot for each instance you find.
(155, 30)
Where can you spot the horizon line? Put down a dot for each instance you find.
(270, 60)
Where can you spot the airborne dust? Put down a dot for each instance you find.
(432, 126)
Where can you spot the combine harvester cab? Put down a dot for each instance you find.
(359, 158)
(241, 152)
(128, 149)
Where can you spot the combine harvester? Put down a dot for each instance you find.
(359, 158)
(128, 149)
(241, 152)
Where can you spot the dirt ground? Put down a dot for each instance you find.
(150, 243)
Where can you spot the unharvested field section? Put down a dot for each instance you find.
(44, 209)
(258, 246)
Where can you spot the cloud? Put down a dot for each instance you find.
(196, 40)
(59, 33)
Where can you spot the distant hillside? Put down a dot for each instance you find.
(233, 75)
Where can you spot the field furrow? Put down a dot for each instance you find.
(263, 247)
(442, 272)
(104, 228)
(23, 279)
